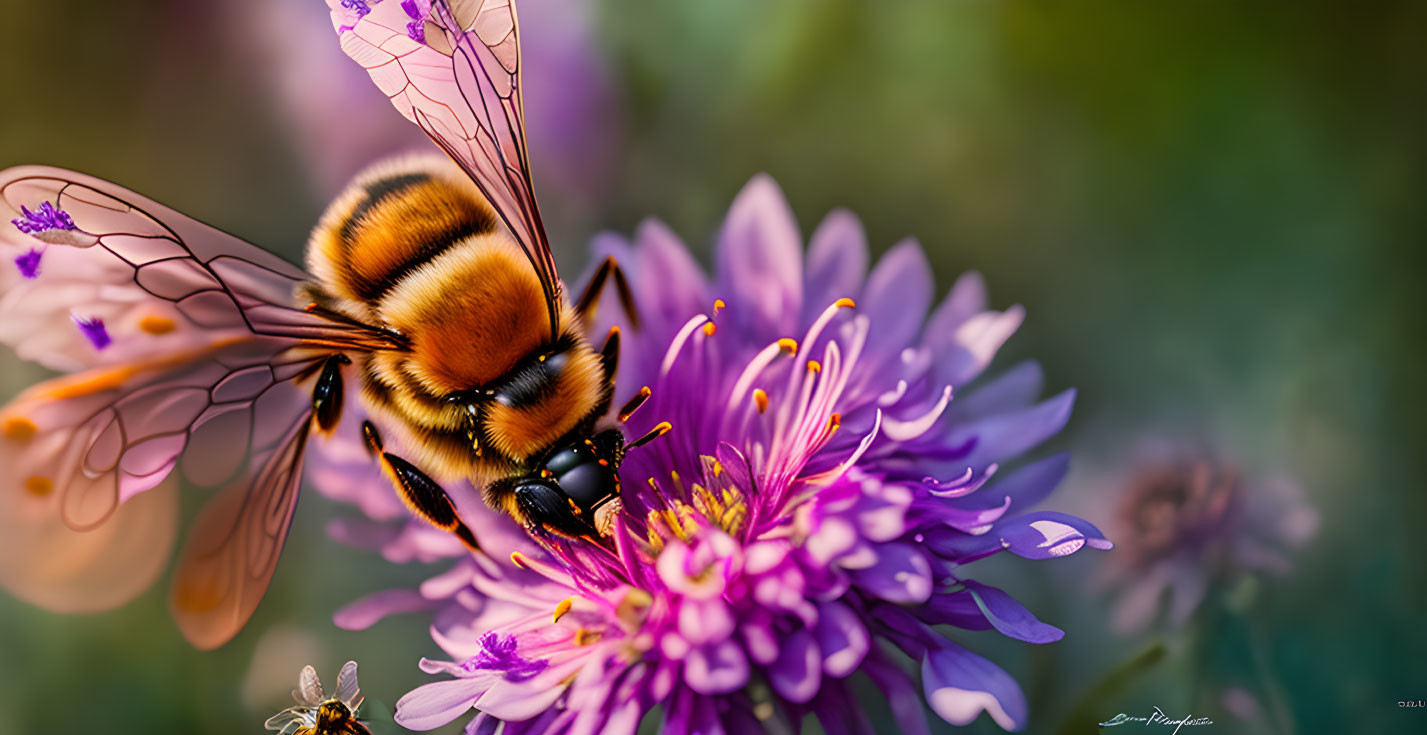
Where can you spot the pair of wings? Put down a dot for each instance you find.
(309, 696)
(207, 348)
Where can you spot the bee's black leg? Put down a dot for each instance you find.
(585, 307)
(327, 393)
(421, 494)
(547, 509)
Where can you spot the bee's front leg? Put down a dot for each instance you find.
(421, 494)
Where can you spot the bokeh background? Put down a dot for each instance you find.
(1213, 213)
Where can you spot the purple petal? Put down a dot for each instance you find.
(1025, 487)
(1009, 616)
(760, 261)
(717, 669)
(1006, 435)
(837, 262)
(797, 673)
(898, 293)
(959, 685)
(430, 706)
(901, 693)
(900, 574)
(966, 299)
(1046, 534)
(842, 638)
(1014, 389)
(365, 613)
(965, 353)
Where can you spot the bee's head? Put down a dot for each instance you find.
(575, 490)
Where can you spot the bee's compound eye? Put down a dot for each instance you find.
(581, 476)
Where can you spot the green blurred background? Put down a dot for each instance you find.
(1213, 212)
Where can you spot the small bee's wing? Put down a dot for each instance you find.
(289, 720)
(309, 687)
(348, 692)
(454, 70)
(213, 385)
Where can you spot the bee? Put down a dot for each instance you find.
(315, 713)
(431, 292)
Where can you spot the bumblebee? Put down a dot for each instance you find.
(432, 291)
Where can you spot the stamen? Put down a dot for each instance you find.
(518, 559)
(845, 303)
(814, 366)
(634, 403)
(710, 328)
(761, 398)
(718, 305)
(677, 345)
(663, 428)
(586, 636)
(834, 422)
(788, 345)
(562, 608)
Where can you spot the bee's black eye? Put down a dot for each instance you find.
(582, 476)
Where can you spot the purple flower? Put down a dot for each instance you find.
(812, 514)
(48, 217)
(93, 330)
(1185, 517)
(29, 262)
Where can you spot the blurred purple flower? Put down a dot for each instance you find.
(339, 123)
(811, 515)
(1185, 518)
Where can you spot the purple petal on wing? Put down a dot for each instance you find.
(29, 263)
(93, 330)
(365, 612)
(1009, 616)
(959, 685)
(842, 638)
(430, 706)
(797, 673)
(1046, 534)
(760, 261)
(837, 262)
(901, 573)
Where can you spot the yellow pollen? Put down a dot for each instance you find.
(845, 303)
(19, 428)
(585, 636)
(156, 325)
(563, 608)
(710, 328)
(760, 398)
(718, 304)
(717, 468)
(518, 559)
(833, 422)
(39, 486)
(814, 366)
(788, 345)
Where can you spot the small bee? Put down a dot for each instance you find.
(432, 292)
(315, 714)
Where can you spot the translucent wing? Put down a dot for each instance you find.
(291, 719)
(347, 690)
(148, 268)
(309, 687)
(453, 68)
(200, 351)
